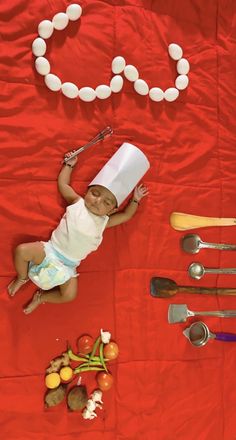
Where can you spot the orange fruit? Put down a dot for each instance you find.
(66, 373)
(52, 380)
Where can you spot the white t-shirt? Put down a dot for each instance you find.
(79, 231)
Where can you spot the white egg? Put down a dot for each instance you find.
(141, 87)
(171, 94)
(53, 82)
(87, 94)
(181, 82)
(70, 90)
(175, 51)
(42, 65)
(103, 92)
(118, 64)
(45, 29)
(183, 66)
(74, 11)
(39, 47)
(131, 73)
(60, 21)
(116, 83)
(156, 94)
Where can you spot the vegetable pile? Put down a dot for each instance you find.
(92, 355)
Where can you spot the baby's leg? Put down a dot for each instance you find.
(65, 293)
(24, 253)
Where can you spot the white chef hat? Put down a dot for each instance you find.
(123, 171)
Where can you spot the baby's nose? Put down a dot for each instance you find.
(97, 201)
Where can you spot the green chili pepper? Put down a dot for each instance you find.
(101, 356)
(92, 364)
(74, 357)
(83, 369)
(97, 359)
(95, 346)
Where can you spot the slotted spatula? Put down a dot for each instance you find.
(180, 313)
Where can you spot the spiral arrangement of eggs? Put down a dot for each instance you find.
(88, 94)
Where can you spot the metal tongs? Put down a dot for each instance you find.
(108, 131)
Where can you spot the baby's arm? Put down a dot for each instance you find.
(122, 217)
(63, 181)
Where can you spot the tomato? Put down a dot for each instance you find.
(85, 344)
(104, 380)
(111, 350)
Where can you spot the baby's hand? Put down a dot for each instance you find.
(140, 192)
(72, 161)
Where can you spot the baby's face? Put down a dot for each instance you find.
(99, 200)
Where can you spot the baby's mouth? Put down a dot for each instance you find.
(94, 209)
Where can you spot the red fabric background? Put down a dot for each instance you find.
(164, 388)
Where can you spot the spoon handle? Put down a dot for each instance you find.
(218, 313)
(230, 271)
(220, 246)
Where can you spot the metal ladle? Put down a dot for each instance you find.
(199, 334)
(197, 271)
(192, 244)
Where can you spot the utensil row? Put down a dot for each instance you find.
(192, 244)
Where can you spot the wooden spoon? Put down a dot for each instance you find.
(183, 222)
(166, 288)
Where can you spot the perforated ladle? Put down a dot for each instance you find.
(197, 271)
(192, 244)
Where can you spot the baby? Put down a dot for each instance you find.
(52, 265)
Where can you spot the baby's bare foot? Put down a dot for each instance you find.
(34, 303)
(15, 285)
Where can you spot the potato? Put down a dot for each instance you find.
(54, 397)
(77, 398)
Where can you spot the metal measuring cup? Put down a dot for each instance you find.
(199, 334)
